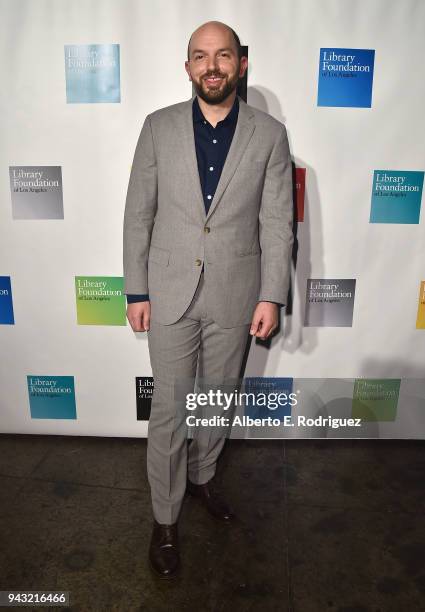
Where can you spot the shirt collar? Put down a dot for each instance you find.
(229, 119)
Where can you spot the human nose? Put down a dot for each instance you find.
(212, 64)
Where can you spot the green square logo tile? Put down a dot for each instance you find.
(375, 399)
(100, 300)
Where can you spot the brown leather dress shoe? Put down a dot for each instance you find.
(164, 554)
(216, 506)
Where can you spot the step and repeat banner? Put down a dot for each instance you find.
(79, 78)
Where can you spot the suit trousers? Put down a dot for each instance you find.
(191, 349)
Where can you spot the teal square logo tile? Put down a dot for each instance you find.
(396, 196)
(51, 397)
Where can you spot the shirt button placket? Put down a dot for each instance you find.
(211, 165)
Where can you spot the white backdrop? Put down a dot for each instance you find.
(94, 144)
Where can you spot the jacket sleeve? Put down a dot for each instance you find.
(139, 215)
(275, 224)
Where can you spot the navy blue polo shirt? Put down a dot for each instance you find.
(212, 146)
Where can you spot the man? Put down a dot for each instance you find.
(207, 245)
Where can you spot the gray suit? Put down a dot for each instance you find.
(246, 249)
(245, 244)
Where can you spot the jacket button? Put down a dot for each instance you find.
(207, 230)
(198, 262)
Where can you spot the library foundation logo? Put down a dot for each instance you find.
(345, 77)
(51, 397)
(92, 73)
(6, 303)
(376, 399)
(329, 302)
(100, 300)
(396, 196)
(144, 393)
(420, 321)
(268, 397)
(36, 192)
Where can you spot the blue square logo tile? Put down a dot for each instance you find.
(345, 77)
(268, 397)
(6, 303)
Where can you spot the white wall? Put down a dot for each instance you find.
(94, 145)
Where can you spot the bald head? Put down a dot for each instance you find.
(211, 28)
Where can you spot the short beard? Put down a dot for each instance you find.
(216, 96)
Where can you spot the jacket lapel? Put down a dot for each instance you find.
(244, 129)
(243, 133)
(189, 153)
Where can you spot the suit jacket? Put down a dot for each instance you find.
(245, 240)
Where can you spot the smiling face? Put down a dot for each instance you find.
(214, 66)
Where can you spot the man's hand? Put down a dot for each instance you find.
(138, 315)
(265, 320)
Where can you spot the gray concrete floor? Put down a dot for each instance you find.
(323, 525)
